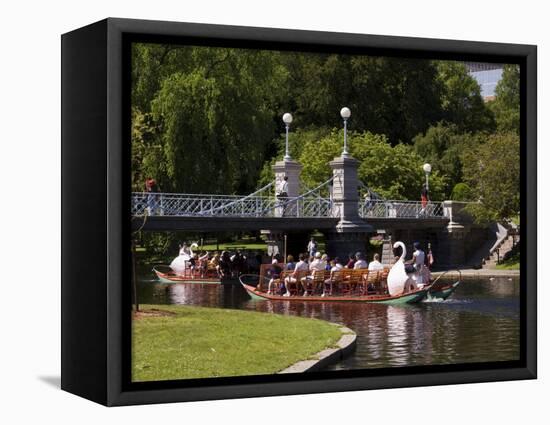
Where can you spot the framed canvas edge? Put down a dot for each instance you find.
(116, 395)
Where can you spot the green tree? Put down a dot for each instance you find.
(462, 192)
(213, 119)
(442, 146)
(393, 172)
(461, 100)
(492, 171)
(393, 96)
(507, 100)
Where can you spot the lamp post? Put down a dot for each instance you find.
(287, 119)
(427, 170)
(345, 113)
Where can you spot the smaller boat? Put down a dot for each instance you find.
(167, 275)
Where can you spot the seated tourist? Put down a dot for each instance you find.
(273, 273)
(318, 264)
(203, 263)
(351, 261)
(360, 263)
(290, 264)
(336, 266)
(215, 263)
(375, 265)
(301, 267)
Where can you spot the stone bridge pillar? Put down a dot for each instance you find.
(351, 232)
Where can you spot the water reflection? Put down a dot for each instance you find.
(479, 323)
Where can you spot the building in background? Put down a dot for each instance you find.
(487, 75)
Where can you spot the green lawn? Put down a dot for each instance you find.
(198, 342)
(510, 264)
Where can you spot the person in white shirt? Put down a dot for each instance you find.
(301, 266)
(375, 264)
(312, 247)
(318, 264)
(336, 267)
(360, 263)
(418, 260)
(282, 194)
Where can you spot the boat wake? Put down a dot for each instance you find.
(448, 301)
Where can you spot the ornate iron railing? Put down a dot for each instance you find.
(400, 209)
(190, 205)
(307, 205)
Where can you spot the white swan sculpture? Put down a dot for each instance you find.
(397, 278)
(179, 264)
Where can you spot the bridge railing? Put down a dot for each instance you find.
(194, 205)
(388, 209)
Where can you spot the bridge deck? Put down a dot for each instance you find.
(217, 224)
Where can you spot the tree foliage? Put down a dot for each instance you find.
(462, 192)
(392, 172)
(461, 100)
(507, 100)
(392, 96)
(492, 171)
(214, 121)
(442, 146)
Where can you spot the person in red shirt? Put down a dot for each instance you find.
(151, 188)
(424, 198)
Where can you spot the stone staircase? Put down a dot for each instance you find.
(499, 251)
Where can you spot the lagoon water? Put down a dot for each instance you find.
(478, 323)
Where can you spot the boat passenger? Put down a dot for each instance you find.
(375, 264)
(301, 266)
(336, 266)
(273, 273)
(290, 264)
(418, 260)
(360, 262)
(329, 264)
(351, 261)
(203, 263)
(318, 264)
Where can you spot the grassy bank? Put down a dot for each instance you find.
(511, 263)
(196, 342)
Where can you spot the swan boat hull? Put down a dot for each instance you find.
(442, 292)
(166, 275)
(408, 298)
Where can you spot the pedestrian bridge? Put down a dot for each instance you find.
(261, 210)
(201, 205)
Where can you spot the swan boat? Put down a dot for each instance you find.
(386, 287)
(166, 274)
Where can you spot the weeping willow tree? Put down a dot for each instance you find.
(206, 124)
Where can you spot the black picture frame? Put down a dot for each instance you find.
(95, 209)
